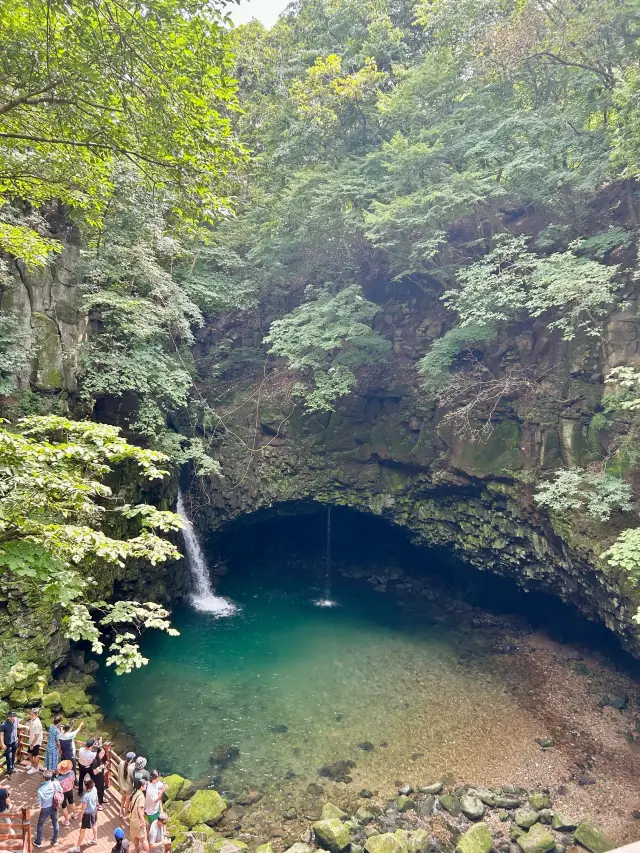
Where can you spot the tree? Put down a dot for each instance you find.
(84, 86)
(55, 514)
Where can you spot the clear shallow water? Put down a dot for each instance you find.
(293, 686)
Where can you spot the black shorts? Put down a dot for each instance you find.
(89, 820)
(68, 797)
(34, 750)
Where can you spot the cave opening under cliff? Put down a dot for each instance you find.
(418, 671)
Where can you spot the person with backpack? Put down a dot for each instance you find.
(50, 798)
(67, 778)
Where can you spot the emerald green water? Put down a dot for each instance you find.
(293, 686)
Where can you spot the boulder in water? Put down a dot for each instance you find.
(176, 785)
(330, 811)
(406, 790)
(366, 794)
(537, 840)
(366, 814)
(539, 801)
(385, 843)
(562, 824)
(250, 797)
(223, 755)
(436, 788)
(475, 840)
(366, 746)
(451, 804)
(472, 807)
(279, 729)
(592, 838)
(526, 817)
(299, 847)
(338, 771)
(404, 803)
(225, 845)
(265, 848)
(419, 841)
(332, 835)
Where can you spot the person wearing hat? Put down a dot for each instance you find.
(125, 782)
(9, 740)
(67, 778)
(122, 843)
(34, 732)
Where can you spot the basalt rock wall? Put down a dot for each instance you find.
(387, 450)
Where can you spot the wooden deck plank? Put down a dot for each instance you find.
(23, 788)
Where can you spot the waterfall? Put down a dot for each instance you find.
(327, 601)
(203, 597)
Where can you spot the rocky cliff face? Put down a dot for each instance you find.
(386, 451)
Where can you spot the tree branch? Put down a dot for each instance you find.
(608, 78)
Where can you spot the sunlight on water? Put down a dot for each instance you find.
(325, 602)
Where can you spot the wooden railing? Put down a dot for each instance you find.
(15, 831)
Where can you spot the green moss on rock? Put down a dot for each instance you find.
(592, 838)
(332, 834)
(387, 842)
(475, 840)
(205, 806)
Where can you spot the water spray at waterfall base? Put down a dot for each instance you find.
(327, 601)
(203, 597)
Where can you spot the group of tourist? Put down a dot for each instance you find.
(141, 790)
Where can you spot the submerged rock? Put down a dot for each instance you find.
(338, 771)
(330, 811)
(249, 797)
(279, 729)
(545, 742)
(405, 803)
(526, 817)
(299, 847)
(451, 804)
(332, 834)
(425, 807)
(592, 838)
(315, 789)
(223, 755)
(475, 840)
(365, 814)
(561, 823)
(419, 841)
(385, 843)
(537, 840)
(366, 746)
(366, 794)
(265, 848)
(539, 801)
(435, 788)
(472, 807)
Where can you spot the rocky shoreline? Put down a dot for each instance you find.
(433, 818)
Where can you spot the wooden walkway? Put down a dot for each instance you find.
(23, 789)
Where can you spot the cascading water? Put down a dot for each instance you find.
(327, 601)
(203, 597)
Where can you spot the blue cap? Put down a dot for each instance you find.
(118, 833)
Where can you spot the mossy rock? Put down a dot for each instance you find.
(265, 848)
(404, 803)
(205, 831)
(4, 708)
(52, 700)
(206, 806)
(175, 785)
(539, 801)
(592, 838)
(225, 845)
(21, 675)
(299, 847)
(330, 811)
(74, 701)
(47, 362)
(472, 807)
(332, 834)
(537, 840)
(387, 842)
(451, 804)
(526, 817)
(475, 840)
(419, 841)
(562, 823)
(177, 832)
(365, 814)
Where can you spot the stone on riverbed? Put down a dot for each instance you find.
(265, 848)
(406, 790)
(475, 840)
(385, 843)
(526, 817)
(539, 801)
(472, 807)
(330, 811)
(405, 804)
(537, 840)
(338, 771)
(562, 823)
(451, 804)
(592, 838)
(419, 841)
(299, 847)
(332, 834)
(365, 814)
(431, 789)
(225, 845)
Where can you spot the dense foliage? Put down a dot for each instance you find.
(54, 510)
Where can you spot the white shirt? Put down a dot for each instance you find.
(151, 802)
(85, 756)
(156, 833)
(35, 732)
